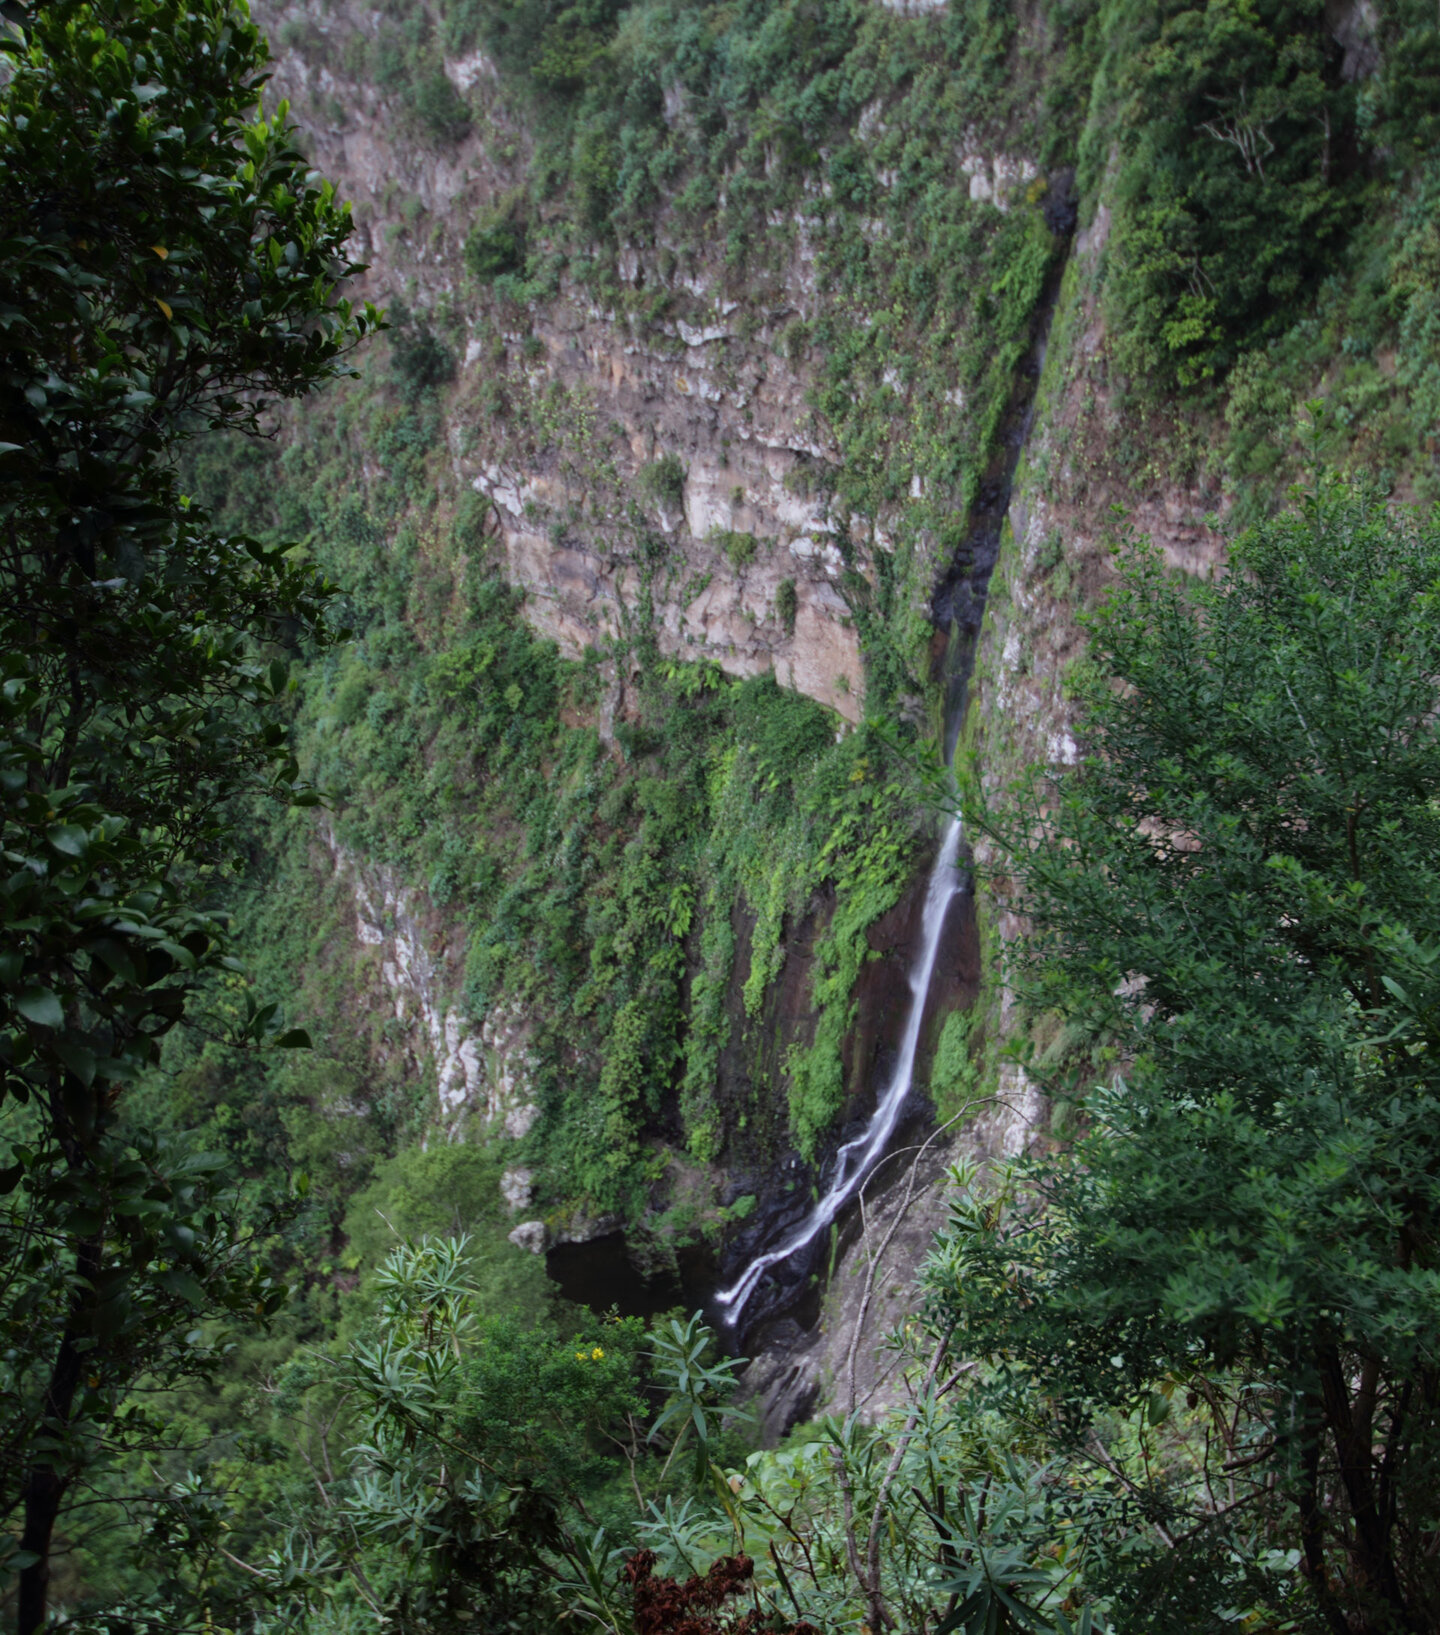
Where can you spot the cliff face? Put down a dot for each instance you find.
(708, 385)
(738, 523)
(1069, 506)
(652, 457)
(781, 416)
(668, 455)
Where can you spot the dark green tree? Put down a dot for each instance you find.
(466, 1472)
(1236, 895)
(168, 265)
(1238, 166)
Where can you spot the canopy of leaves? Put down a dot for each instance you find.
(167, 264)
(1238, 173)
(1237, 892)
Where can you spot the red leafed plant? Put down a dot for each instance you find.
(664, 1606)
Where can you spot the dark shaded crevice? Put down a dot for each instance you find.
(957, 606)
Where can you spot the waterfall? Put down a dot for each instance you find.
(959, 607)
(857, 1158)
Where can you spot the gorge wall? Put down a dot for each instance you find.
(740, 347)
(708, 384)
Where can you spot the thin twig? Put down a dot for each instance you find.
(235, 1561)
(879, 1255)
(837, 1456)
(872, 1548)
(1103, 1454)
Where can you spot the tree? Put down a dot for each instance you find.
(465, 1471)
(1235, 895)
(168, 265)
(1237, 174)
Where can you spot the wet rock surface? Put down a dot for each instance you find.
(869, 1256)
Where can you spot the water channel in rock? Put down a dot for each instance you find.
(858, 1157)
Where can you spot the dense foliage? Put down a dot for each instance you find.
(1239, 177)
(457, 1467)
(167, 264)
(596, 884)
(1179, 1376)
(1233, 896)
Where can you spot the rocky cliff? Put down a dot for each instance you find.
(704, 398)
(772, 379)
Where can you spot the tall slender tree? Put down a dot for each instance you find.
(168, 266)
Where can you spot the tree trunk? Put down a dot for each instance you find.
(1312, 1524)
(1351, 1424)
(45, 1485)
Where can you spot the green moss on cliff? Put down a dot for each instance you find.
(591, 883)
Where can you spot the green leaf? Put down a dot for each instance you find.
(115, 956)
(178, 1281)
(78, 1059)
(67, 838)
(39, 1005)
(294, 1039)
(109, 1317)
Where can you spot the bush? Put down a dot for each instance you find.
(557, 46)
(421, 360)
(786, 605)
(953, 1074)
(572, 46)
(663, 480)
(740, 548)
(1238, 183)
(449, 1190)
(595, 173)
(496, 243)
(439, 109)
(493, 251)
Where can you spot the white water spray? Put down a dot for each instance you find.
(857, 1158)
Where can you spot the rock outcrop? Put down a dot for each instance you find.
(710, 391)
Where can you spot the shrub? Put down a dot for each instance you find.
(663, 480)
(595, 171)
(496, 243)
(491, 251)
(438, 108)
(953, 1074)
(572, 46)
(1234, 193)
(740, 548)
(420, 359)
(786, 605)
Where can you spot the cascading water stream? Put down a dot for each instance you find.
(959, 606)
(857, 1158)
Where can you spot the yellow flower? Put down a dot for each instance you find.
(579, 1356)
(597, 1353)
